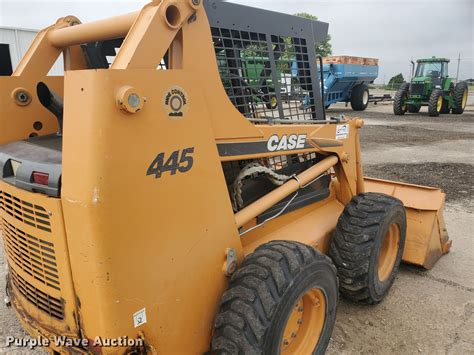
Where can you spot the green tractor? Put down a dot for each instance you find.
(431, 86)
(250, 77)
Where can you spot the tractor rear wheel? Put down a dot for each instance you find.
(414, 108)
(367, 246)
(445, 107)
(360, 97)
(400, 99)
(281, 300)
(460, 98)
(435, 103)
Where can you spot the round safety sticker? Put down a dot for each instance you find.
(175, 102)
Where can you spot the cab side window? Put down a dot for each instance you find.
(6, 68)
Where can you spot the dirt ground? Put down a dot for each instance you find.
(430, 312)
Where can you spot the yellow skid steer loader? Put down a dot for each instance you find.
(170, 194)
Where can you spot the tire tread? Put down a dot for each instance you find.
(433, 102)
(458, 96)
(397, 100)
(357, 96)
(353, 242)
(249, 304)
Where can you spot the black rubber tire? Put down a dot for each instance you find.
(458, 96)
(399, 106)
(445, 107)
(359, 101)
(413, 108)
(262, 294)
(356, 244)
(433, 102)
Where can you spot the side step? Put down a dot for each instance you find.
(427, 238)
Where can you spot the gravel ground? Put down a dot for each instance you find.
(429, 312)
(455, 179)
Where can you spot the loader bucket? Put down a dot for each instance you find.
(427, 238)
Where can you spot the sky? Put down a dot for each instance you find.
(394, 31)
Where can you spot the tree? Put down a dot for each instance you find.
(397, 79)
(323, 48)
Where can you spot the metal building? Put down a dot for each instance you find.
(14, 42)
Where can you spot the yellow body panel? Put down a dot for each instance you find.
(139, 241)
(300, 225)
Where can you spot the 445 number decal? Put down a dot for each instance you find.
(179, 160)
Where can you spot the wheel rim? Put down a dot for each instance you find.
(305, 324)
(273, 101)
(464, 99)
(365, 98)
(439, 104)
(388, 252)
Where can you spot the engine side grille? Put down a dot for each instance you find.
(417, 89)
(33, 215)
(52, 306)
(32, 255)
(34, 244)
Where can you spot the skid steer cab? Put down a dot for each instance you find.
(159, 199)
